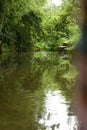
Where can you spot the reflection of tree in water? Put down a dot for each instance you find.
(64, 77)
(20, 99)
(22, 89)
(59, 72)
(22, 72)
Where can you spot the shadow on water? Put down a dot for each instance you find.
(35, 92)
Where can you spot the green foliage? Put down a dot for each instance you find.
(28, 25)
(62, 25)
(20, 27)
(28, 31)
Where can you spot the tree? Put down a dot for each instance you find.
(12, 24)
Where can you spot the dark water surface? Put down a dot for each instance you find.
(35, 92)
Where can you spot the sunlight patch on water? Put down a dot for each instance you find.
(56, 114)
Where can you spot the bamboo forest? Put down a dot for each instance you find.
(37, 38)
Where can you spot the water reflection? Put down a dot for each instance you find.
(25, 102)
(56, 113)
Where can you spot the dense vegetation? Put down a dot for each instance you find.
(31, 25)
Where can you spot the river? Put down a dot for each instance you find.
(35, 92)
